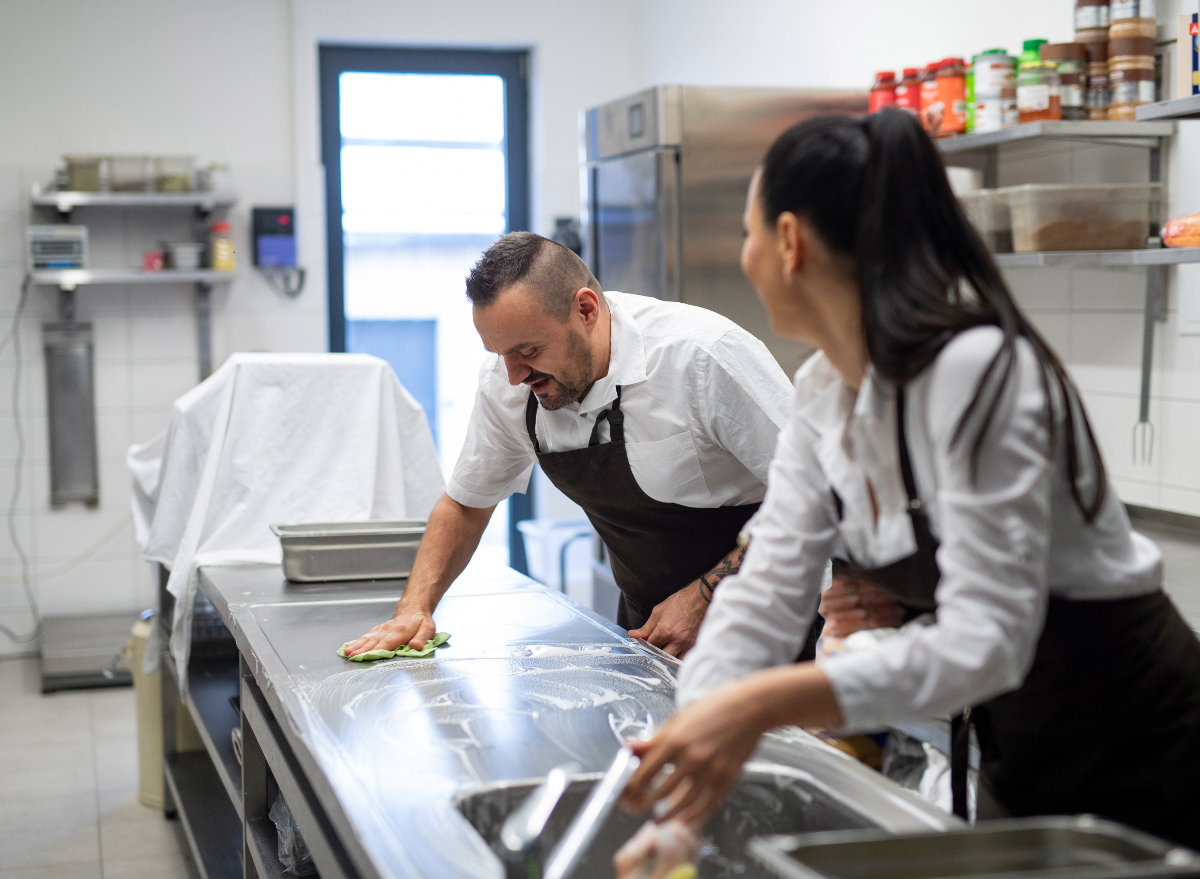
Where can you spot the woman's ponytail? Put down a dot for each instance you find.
(875, 190)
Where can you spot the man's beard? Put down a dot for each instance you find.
(571, 387)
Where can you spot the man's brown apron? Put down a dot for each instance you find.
(1107, 720)
(655, 548)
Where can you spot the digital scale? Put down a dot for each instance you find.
(57, 247)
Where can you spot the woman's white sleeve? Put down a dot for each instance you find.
(995, 531)
(760, 617)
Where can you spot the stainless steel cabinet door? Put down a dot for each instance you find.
(635, 203)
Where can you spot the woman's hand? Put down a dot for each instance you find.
(707, 742)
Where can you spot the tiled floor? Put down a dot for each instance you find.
(68, 766)
(68, 787)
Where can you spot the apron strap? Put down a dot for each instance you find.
(960, 749)
(616, 422)
(910, 484)
(531, 408)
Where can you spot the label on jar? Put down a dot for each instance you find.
(989, 114)
(993, 74)
(1033, 98)
(1138, 92)
(1091, 16)
(1119, 9)
(1010, 113)
(1072, 96)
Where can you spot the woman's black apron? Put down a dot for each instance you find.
(655, 548)
(1108, 719)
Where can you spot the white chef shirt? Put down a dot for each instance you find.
(703, 400)
(1008, 540)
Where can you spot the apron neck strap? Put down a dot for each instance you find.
(616, 422)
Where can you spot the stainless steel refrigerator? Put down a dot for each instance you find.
(665, 178)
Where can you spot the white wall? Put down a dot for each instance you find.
(237, 81)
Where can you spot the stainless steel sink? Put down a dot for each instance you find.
(786, 801)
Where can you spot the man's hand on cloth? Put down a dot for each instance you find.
(411, 627)
(674, 623)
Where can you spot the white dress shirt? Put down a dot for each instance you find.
(1009, 539)
(703, 400)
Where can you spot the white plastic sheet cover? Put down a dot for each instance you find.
(276, 438)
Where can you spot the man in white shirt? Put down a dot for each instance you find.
(658, 418)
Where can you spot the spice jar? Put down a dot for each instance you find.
(1071, 60)
(928, 94)
(1095, 43)
(908, 91)
(1091, 13)
(952, 98)
(1131, 43)
(1129, 88)
(883, 93)
(1038, 98)
(1125, 9)
(1096, 99)
(221, 253)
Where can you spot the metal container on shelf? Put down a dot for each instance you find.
(131, 173)
(1079, 847)
(324, 551)
(1108, 216)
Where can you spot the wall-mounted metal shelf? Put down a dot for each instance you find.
(1165, 256)
(1129, 133)
(69, 279)
(1179, 108)
(65, 202)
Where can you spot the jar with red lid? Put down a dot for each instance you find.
(928, 94)
(883, 93)
(908, 91)
(951, 103)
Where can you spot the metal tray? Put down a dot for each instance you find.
(1078, 847)
(322, 551)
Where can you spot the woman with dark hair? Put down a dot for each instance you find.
(938, 450)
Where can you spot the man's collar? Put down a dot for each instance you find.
(626, 361)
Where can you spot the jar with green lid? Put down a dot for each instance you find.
(1038, 96)
(1029, 51)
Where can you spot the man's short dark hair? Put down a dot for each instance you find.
(549, 269)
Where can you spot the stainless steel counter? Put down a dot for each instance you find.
(530, 680)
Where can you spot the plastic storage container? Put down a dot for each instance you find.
(990, 215)
(87, 173)
(131, 173)
(175, 173)
(1082, 217)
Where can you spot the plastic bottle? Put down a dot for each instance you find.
(883, 93)
(222, 256)
(908, 91)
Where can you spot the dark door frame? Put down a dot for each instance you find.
(512, 66)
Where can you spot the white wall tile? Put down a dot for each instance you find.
(162, 382)
(1179, 361)
(1180, 431)
(1131, 491)
(1037, 290)
(1180, 500)
(1108, 290)
(112, 386)
(104, 584)
(64, 534)
(1055, 328)
(1113, 418)
(1106, 353)
(165, 332)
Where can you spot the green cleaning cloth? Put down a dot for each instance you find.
(438, 640)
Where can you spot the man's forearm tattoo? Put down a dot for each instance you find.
(729, 565)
